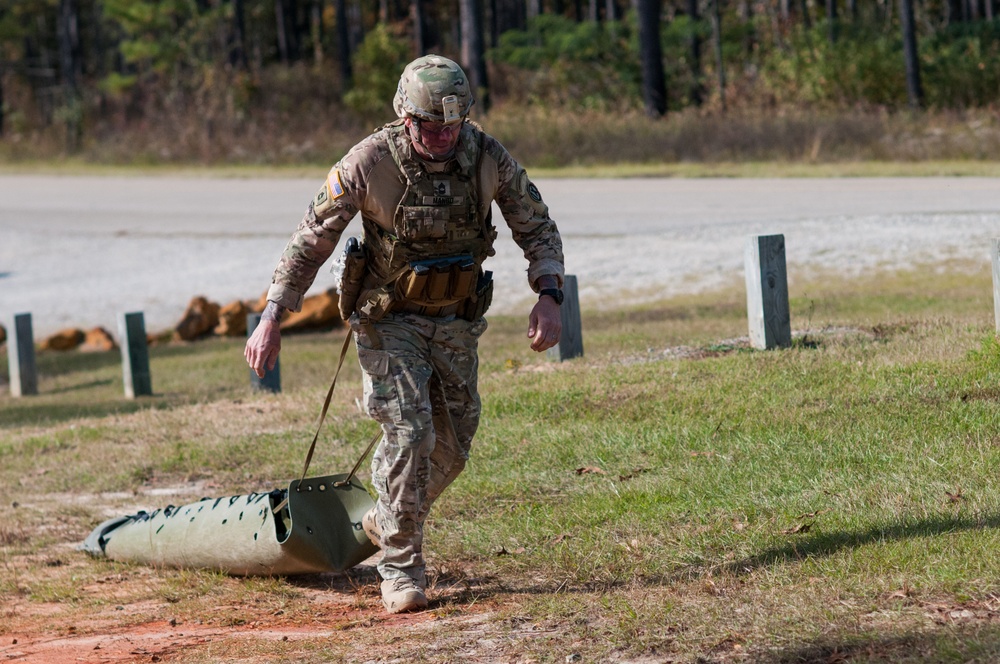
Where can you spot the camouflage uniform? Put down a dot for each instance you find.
(420, 376)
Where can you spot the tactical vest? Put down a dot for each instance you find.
(431, 262)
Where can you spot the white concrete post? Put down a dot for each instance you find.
(571, 342)
(135, 355)
(767, 292)
(995, 256)
(21, 358)
(271, 382)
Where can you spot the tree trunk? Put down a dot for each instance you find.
(654, 87)
(510, 15)
(914, 90)
(696, 93)
(593, 14)
(281, 30)
(238, 52)
(717, 39)
(750, 41)
(952, 12)
(534, 8)
(357, 25)
(806, 19)
(316, 30)
(419, 32)
(473, 56)
(831, 20)
(1, 101)
(68, 29)
(610, 11)
(343, 42)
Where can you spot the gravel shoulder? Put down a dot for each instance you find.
(76, 251)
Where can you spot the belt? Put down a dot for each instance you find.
(427, 310)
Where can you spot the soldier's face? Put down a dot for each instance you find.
(433, 140)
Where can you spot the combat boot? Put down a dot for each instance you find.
(402, 595)
(369, 523)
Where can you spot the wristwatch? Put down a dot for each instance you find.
(555, 293)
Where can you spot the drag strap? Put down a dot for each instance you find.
(326, 406)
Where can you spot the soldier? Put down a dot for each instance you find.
(415, 294)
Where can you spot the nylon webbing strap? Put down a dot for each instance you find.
(326, 406)
(364, 455)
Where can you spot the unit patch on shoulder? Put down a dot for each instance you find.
(322, 197)
(330, 191)
(532, 197)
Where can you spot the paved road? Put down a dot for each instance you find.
(76, 251)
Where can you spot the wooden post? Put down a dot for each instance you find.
(767, 292)
(995, 255)
(571, 342)
(21, 358)
(271, 381)
(135, 355)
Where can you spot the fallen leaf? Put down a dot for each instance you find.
(561, 538)
(904, 593)
(801, 528)
(504, 552)
(591, 470)
(738, 526)
(955, 497)
(812, 515)
(634, 473)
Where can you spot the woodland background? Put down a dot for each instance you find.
(560, 82)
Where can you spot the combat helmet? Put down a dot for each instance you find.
(435, 89)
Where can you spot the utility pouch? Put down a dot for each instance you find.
(378, 303)
(463, 280)
(414, 283)
(438, 281)
(475, 306)
(352, 277)
(437, 285)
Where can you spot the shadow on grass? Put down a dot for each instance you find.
(973, 642)
(36, 412)
(825, 544)
(81, 386)
(55, 363)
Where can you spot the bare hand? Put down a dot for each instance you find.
(544, 324)
(263, 346)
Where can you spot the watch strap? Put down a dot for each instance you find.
(555, 293)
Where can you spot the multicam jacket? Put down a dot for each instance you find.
(367, 180)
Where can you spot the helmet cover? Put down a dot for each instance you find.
(435, 89)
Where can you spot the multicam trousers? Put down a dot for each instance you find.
(420, 384)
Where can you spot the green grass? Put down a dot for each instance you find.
(836, 499)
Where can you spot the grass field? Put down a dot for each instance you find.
(673, 496)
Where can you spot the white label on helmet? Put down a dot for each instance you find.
(451, 111)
